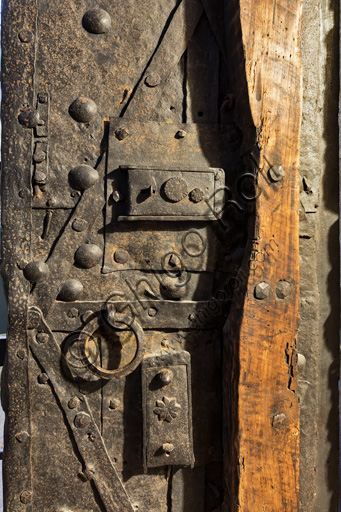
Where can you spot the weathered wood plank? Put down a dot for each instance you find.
(263, 442)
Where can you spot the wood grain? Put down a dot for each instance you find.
(262, 440)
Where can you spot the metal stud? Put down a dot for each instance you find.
(283, 289)
(121, 256)
(43, 378)
(152, 79)
(74, 403)
(121, 133)
(114, 403)
(71, 290)
(262, 291)
(26, 497)
(79, 224)
(88, 255)
(42, 337)
(36, 271)
(83, 177)
(165, 376)
(196, 195)
(25, 36)
(83, 109)
(21, 437)
(82, 420)
(167, 448)
(29, 118)
(175, 189)
(276, 173)
(96, 21)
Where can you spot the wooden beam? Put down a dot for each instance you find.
(262, 442)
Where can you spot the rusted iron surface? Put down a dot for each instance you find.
(124, 205)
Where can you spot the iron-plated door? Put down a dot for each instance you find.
(120, 242)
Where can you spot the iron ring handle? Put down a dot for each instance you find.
(119, 373)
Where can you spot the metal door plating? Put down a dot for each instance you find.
(123, 153)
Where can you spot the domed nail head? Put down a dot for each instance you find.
(36, 271)
(88, 255)
(83, 177)
(83, 109)
(71, 290)
(96, 21)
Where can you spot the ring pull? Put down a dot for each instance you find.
(94, 325)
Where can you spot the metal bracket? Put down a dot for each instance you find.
(167, 409)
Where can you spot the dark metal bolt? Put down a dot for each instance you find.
(276, 173)
(152, 311)
(196, 195)
(24, 193)
(82, 420)
(114, 403)
(25, 36)
(33, 320)
(72, 313)
(21, 354)
(121, 256)
(74, 402)
(191, 316)
(26, 497)
(121, 133)
(283, 289)
(39, 156)
(40, 177)
(165, 377)
(71, 290)
(21, 437)
(168, 448)
(83, 109)
(88, 255)
(96, 21)
(83, 177)
(79, 224)
(36, 271)
(262, 291)
(42, 337)
(50, 203)
(43, 378)
(180, 134)
(29, 118)
(152, 79)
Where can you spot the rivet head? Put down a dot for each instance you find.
(196, 195)
(301, 362)
(152, 79)
(167, 448)
(39, 156)
(96, 21)
(175, 189)
(283, 289)
(262, 291)
(25, 36)
(82, 420)
(121, 256)
(21, 354)
(83, 177)
(29, 118)
(40, 177)
(88, 255)
(21, 437)
(42, 337)
(180, 134)
(36, 271)
(278, 420)
(43, 378)
(74, 403)
(24, 193)
(72, 313)
(71, 290)
(173, 288)
(83, 109)
(114, 403)
(165, 376)
(26, 497)
(152, 312)
(33, 320)
(276, 173)
(121, 133)
(79, 224)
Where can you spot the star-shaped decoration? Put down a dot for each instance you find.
(167, 409)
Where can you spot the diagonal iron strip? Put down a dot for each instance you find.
(87, 436)
(149, 89)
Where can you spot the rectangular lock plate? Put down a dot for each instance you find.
(167, 410)
(173, 194)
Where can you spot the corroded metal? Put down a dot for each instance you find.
(121, 238)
